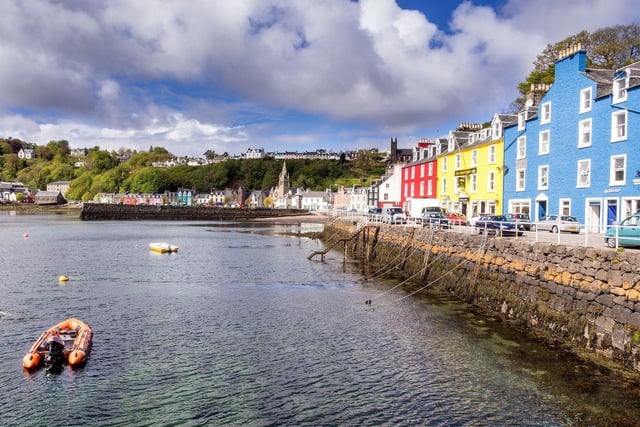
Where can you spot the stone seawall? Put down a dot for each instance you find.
(586, 300)
(100, 211)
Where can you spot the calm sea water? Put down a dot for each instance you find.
(239, 328)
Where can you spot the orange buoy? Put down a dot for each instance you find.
(25, 235)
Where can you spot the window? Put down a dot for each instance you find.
(619, 90)
(521, 121)
(444, 164)
(585, 100)
(618, 166)
(413, 189)
(584, 137)
(619, 126)
(521, 147)
(443, 183)
(495, 131)
(430, 169)
(565, 206)
(429, 188)
(406, 174)
(474, 158)
(421, 188)
(584, 173)
(413, 173)
(492, 154)
(406, 189)
(543, 177)
(520, 180)
(473, 184)
(422, 171)
(543, 142)
(545, 113)
(491, 181)
(458, 161)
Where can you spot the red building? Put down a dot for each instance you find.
(419, 179)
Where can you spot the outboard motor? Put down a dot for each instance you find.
(55, 357)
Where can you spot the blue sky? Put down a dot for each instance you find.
(283, 75)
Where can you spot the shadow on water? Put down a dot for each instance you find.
(594, 394)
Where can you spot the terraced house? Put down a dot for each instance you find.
(470, 168)
(575, 148)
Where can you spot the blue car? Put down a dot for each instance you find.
(498, 225)
(627, 233)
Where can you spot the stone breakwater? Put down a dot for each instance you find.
(586, 300)
(103, 211)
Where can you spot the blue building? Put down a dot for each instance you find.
(576, 147)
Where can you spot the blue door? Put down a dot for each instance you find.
(542, 209)
(612, 212)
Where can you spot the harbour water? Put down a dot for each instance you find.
(240, 328)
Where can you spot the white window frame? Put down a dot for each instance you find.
(430, 169)
(521, 147)
(584, 173)
(492, 154)
(474, 158)
(473, 183)
(444, 164)
(564, 206)
(422, 170)
(544, 141)
(429, 188)
(413, 173)
(585, 100)
(545, 113)
(584, 133)
(615, 169)
(543, 177)
(620, 90)
(458, 161)
(619, 126)
(443, 185)
(522, 122)
(521, 179)
(491, 182)
(421, 188)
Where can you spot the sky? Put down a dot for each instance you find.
(282, 75)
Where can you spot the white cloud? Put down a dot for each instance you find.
(177, 71)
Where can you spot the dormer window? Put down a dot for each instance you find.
(545, 113)
(522, 120)
(620, 90)
(496, 130)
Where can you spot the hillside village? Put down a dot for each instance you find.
(572, 150)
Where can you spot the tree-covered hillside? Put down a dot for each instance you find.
(125, 171)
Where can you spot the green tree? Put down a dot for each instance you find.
(608, 48)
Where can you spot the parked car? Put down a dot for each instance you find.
(431, 209)
(456, 218)
(374, 214)
(476, 217)
(393, 215)
(557, 223)
(520, 218)
(435, 220)
(498, 225)
(626, 233)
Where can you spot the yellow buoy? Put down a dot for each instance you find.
(63, 278)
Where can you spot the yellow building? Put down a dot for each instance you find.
(470, 168)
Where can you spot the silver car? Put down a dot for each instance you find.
(557, 223)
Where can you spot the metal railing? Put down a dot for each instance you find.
(586, 236)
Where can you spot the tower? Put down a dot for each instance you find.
(283, 181)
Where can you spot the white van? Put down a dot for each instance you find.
(393, 215)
